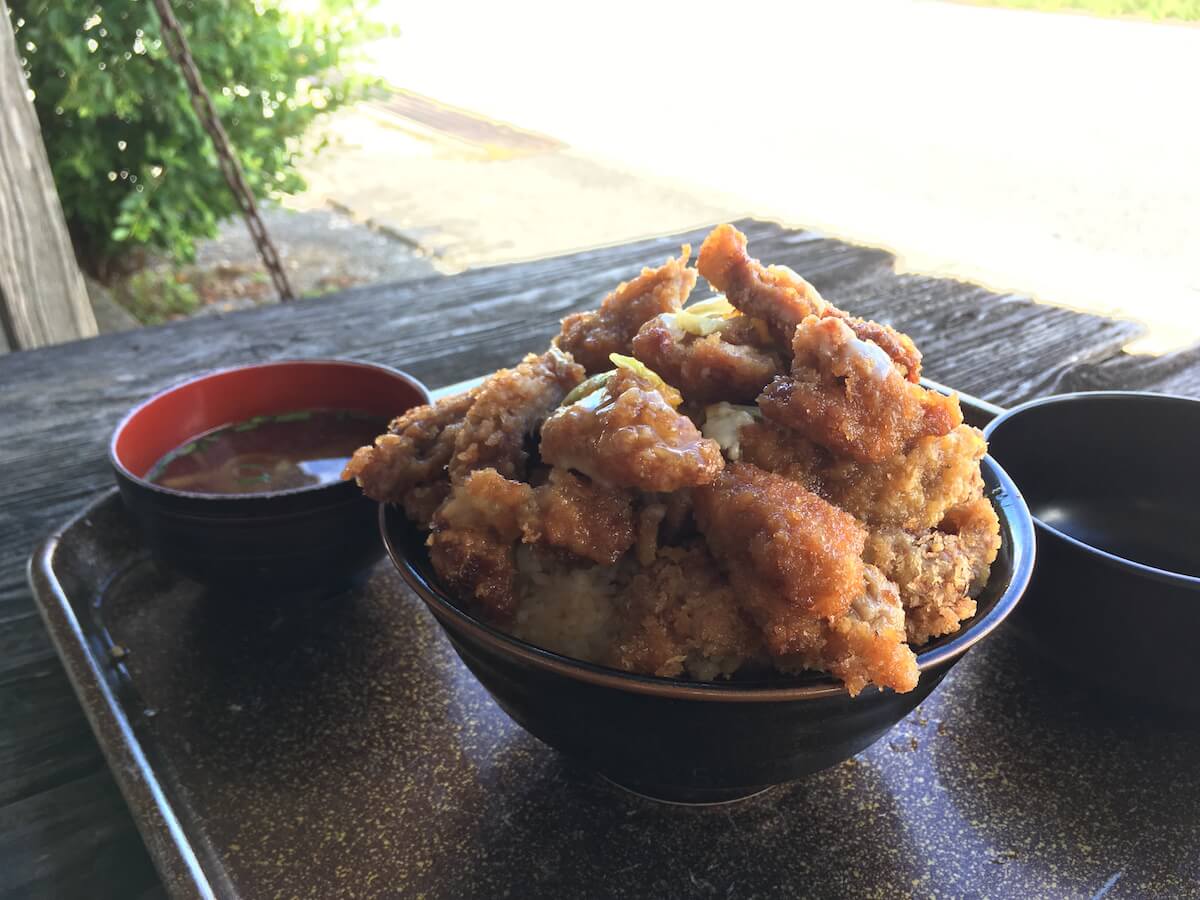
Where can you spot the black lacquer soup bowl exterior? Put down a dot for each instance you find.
(312, 540)
(1110, 479)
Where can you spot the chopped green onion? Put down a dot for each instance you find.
(590, 386)
(640, 369)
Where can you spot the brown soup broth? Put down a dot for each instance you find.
(268, 453)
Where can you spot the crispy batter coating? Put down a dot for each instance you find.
(681, 615)
(476, 566)
(510, 405)
(628, 435)
(911, 490)
(705, 368)
(775, 294)
(846, 395)
(487, 501)
(977, 527)
(407, 465)
(476, 529)
(474, 532)
(866, 644)
(780, 450)
(567, 512)
(794, 557)
(582, 517)
(939, 572)
(591, 336)
(783, 299)
(899, 346)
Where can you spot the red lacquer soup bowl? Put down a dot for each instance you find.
(299, 540)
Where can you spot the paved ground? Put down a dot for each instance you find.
(1049, 154)
(322, 250)
(1045, 153)
(490, 198)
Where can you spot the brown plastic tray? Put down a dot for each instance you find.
(329, 749)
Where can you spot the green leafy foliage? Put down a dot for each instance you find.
(133, 166)
(1182, 10)
(155, 296)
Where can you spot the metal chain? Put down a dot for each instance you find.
(177, 46)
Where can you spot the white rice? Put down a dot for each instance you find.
(569, 609)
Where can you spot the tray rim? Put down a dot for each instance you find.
(167, 841)
(152, 810)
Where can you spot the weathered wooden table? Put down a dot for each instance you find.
(1006, 782)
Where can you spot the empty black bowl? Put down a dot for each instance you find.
(703, 742)
(309, 540)
(1109, 479)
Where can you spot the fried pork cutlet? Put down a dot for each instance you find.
(627, 434)
(783, 299)
(845, 394)
(508, 408)
(774, 294)
(795, 558)
(590, 337)
(586, 519)
(911, 490)
(680, 614)
(707, 367)
(429, 446)
(407, 465)
(473, 537)
(865, 645)
(475, 531)
(939, 572)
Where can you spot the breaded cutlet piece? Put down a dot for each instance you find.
(509, 407)
(795, 558)
(710, 367)
(847, 395)
(586, 519)
(627, 434)
(911, 490)
(473, 536)
(939, 571)
(679, 615)
(590, 337)
(783, 299)
(407, 465)
(866, 644)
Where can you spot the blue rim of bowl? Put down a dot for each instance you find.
(1120, 562)
(1015, 520)
(124, 472)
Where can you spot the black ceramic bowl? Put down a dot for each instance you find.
(306, 540)
(703, 742)
(1110, 478)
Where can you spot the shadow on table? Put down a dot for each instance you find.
(1068, 779)
(573, 833)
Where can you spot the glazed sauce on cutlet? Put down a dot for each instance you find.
(279, 452)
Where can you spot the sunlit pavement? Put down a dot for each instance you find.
(1051, 154)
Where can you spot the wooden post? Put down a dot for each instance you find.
(43, 299)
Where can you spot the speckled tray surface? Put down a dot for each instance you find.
(340, 749)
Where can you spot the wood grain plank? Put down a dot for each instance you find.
(52, 743)
(43, 299)
(1172, 373)
(75, 840)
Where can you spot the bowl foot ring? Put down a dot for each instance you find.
(685, 797)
